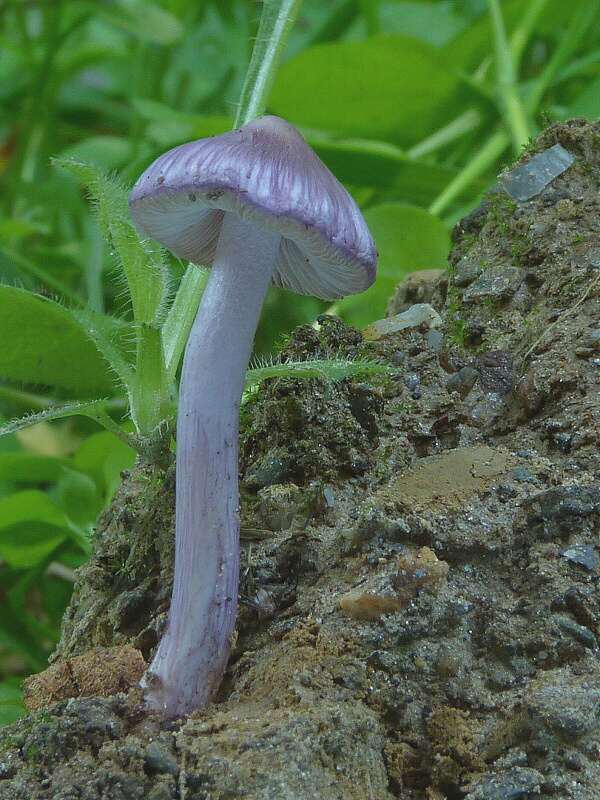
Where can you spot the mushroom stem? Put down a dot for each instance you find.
(192, 656)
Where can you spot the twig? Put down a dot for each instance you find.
(563, 316)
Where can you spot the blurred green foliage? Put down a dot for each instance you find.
(414, 105)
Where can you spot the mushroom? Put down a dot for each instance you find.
(259, 206)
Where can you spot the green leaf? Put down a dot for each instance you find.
(18, 596)
(44, 343)
(11, 702)
(104, 152)
(78, 496)
(112, 337)
(383, 166)
(587, 104)
(16, 229)
(15, 636)
(144, 19)
(334, 369)
(38, 269)
(142, 262)
(92, 410)
(436, 21)
(30, 468)
(104, 457)
(32, 526)
(169, 127)
(474, 45)
(392, 88)
(408, 239)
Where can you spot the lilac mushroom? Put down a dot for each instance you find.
(260, 207)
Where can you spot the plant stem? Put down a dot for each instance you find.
(463, 124)
(579, 23)
(520, 36)
(492, 149)
(508, 87)
(149, 391)
(276, 22)
(179, 320)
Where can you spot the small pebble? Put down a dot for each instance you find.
(462, 381)
(563, 442)
(564, 703)
(523, 475)
(279, 503)
(509, 785)
(583, 554)
(416, 315)
(578, 632)
(159, 760)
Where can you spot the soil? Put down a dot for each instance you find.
(420, 612)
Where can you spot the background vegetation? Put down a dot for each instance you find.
(414, 105)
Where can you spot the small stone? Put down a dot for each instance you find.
(393, 590)
(495, 371)
(435, 339)
(526, 180)
(564, 703)
(509, 785)
(416, 315)
(567, 502)
(462, 381)
(588, 344)
(328, 497)
(159, 760)
(131, 610)
(563, 442)
(422, 570)
(279, 504)
(418, 287)
(528, 394)
(472, 223)
(578, 632)
(8, 766)
(505, 493)
(370, 604)
(448, 662)
(162, 791)
(495, 284)
(583, 554)
(467, 272)
(273, 470)
(523, 475)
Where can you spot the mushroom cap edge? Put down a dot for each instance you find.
(268, 174)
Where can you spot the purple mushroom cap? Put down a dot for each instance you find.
(266, 173)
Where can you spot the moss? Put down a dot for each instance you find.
(457, 331)
(467, 240)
